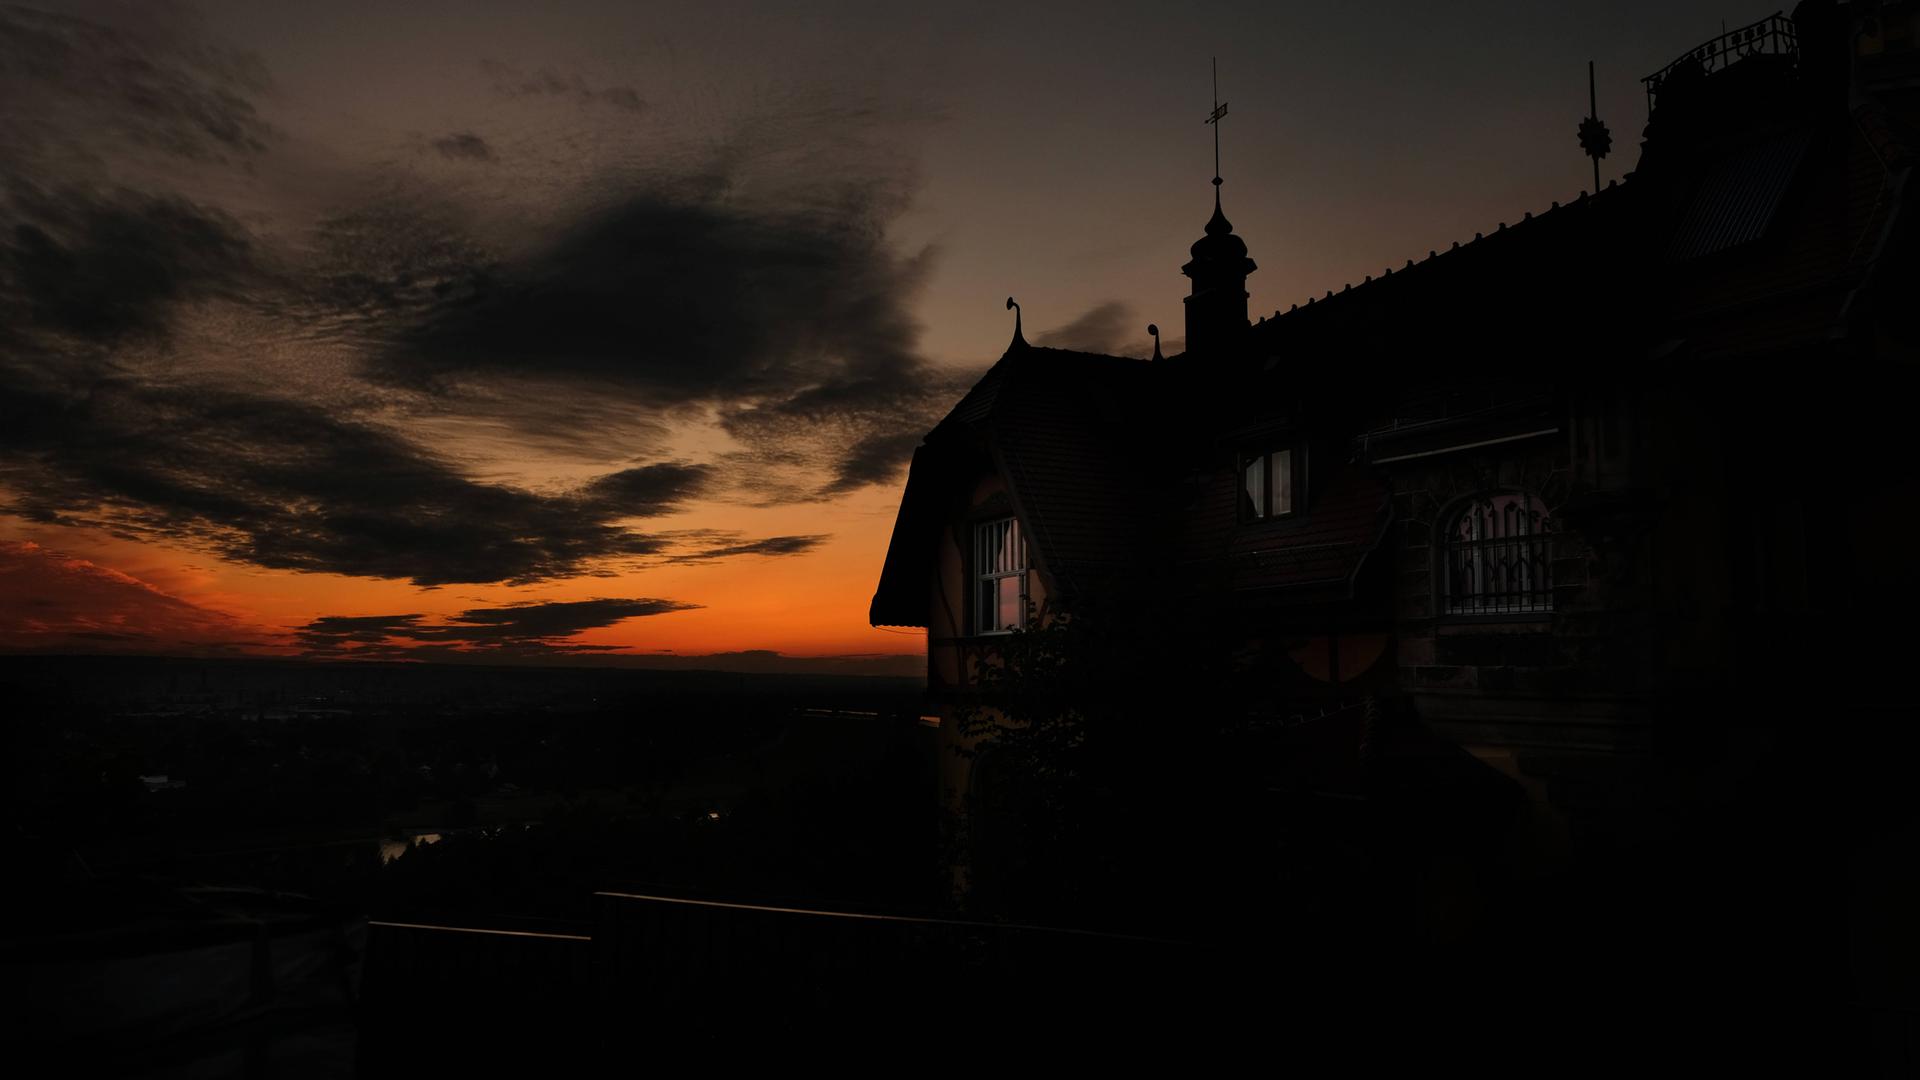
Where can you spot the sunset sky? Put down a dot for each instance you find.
(537, 331)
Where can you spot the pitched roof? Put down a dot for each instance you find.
(1516, 272)
(1065, 430)
(1325, 547)
(1071, 436)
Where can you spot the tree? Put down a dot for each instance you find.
(1112, 784)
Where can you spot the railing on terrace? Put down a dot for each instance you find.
(705, 963)
(671, 972)
(1771, 36)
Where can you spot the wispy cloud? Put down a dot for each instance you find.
(464, 145)
(1108, 328)
(767, 546)
(99, 264)
(540, 629)
(149, 80)
(516, 82)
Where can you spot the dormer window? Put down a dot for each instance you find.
(999, 576)
(1268, 484)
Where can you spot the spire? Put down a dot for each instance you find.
(1154, 329)
(1217, 307)
(1218, 225)
(1019, 340)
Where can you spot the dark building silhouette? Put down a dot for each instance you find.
(1613, 498)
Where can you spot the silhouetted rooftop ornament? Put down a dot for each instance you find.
(1216, 308)
(1595, 139)
(1154, 329)
(1219, 241)
(1219, 110)
(1019, 341)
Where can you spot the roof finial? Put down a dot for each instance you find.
(1219, 110)
(1594, 137)
(1154, 329)
(1018, 338)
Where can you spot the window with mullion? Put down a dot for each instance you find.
(1266, 485)
(999, 576)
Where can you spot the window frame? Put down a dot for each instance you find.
(1535, 601)
(976, 577)
(1296, 476)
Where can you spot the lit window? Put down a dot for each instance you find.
(1499, 557)
(1000, 576)
(1266, 486)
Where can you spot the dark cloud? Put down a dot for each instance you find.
(784, 315)
(465, 146)
(772, 545)
(1108, 328)
(339, 631)
(545, 621)
(89, 108)
(150, 80)
(686, 298)
(514, 82)
(769, 662)
(875, 459)
(792, 322)
(648, 490)
(522, 629)
(546, 633)
(388, 263)
(100, 264)
(284, 485)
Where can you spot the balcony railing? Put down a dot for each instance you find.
(1771, 36)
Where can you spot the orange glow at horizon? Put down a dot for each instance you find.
(809, 605)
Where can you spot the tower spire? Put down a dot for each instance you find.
(1217, 306)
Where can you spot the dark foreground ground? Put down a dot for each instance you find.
(751, 872)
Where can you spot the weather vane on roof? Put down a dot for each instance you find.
(1219, 110)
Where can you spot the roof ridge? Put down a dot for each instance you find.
(1090, 355)
(1583, 200)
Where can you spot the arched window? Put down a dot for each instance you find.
(1499, 556)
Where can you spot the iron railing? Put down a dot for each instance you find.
(1500, 558)
(1771, 36)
